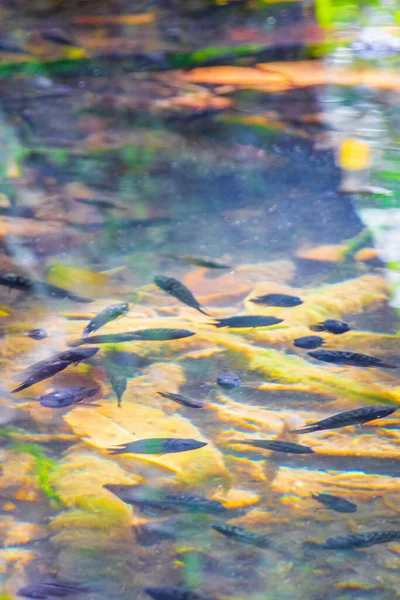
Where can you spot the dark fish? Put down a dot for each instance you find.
(331, 325)
(155, 532)
(58, 589)
(247, 321)
(99, 203)
(118, 384)
(349, 417)
(158, 446)
(228, 380)
(12, 48)
(360, 540)
(184, 400)
(105, 316)
(173, 593)
(19, 282)
(209, 263)
(151, 335)
(241, 534)
(277, 446)
(278, 300)
(50, 366)
(147, 497)
(353, 359)
(175, 288)
(335, 503)
(57, 36)
(65, 397)
(37, 334)
(308, 342)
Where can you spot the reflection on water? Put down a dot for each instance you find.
(197, 163)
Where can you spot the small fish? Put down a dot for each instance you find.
(175, 288)
(308, 342)
(360, 540)
(65, 397)
(173, 593)
(50, 366)
(157, 498)
(184, 400)
(209, 263)
(335, 503)
(99, 203)
(154, 532)
(247, 321)
(241, 534)
(59, 589)
(118, 384)
(349, 417)
(12, 48)
(19, 282)
(37, 334)
(277, 446)
(158, 446)
(278, 300)
(352, 359)
(57, 36)
(331, 325)
(228, 380)
(105, 316)
(151, 335)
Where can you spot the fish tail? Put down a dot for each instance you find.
(317, 327)
(217, 324)
(76, 343)
(387, 366)
(203, 311)
(113, 451)
(306, 429)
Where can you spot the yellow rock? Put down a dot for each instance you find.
(16, 533)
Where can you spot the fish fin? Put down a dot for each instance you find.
(203, 311)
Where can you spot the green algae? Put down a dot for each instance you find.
(44, 467)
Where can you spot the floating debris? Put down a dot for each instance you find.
(247, 321)
(349, 417)
(175, 288)
(118, 384)
(65, 397)
(308, 342)
(208, 263)
(373, 44)
(158, 446)
(241, 534)
(40, 288)
(173, 593)
(352, 359)
(277, 300)
(50, 366)
(147, 497)
(335, 503)
(331, 325)
(184, 400)
(276, 446)
(229, 380)
(105, 316)
(151, 335)
(58, 36)
(37, 334)
(360, 540)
